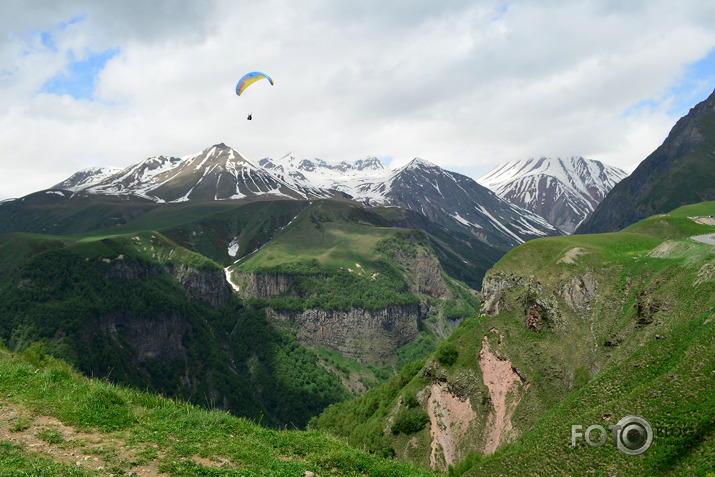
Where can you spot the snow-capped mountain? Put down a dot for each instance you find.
(87, 178)
(217, 173)
(562, 191)
(446, 198)
(356, 179)
(450, 199)
(453, 201)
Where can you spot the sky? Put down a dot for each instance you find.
(464, 84)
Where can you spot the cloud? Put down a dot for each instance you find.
(464, 84)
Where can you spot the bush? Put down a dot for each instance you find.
(447, 353)
(409, 421)
(410, 399)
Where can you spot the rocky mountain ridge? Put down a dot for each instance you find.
(562, 191)
(678, 172)
(222, 173)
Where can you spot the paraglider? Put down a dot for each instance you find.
(248, 80)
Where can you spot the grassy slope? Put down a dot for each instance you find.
(60, 292)
(126, 430)
(325, 233)
(661, 370)
(590, 365)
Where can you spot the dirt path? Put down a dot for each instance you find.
(64, 444)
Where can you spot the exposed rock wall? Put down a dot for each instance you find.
(425, 272)
(368, 336)
(262, 285)
(208, 285)
(151, 338)
(422, 270)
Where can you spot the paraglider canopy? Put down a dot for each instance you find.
(249, 79)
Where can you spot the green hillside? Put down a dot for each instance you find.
(147, 304)
(577, 330)
(55, 422)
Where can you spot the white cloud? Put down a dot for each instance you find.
(463, 84)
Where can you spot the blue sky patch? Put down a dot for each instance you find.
(695, 86)
(80, 76)
(73, 21)
(47, 40)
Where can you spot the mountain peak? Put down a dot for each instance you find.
(561, 190)
(369, 163)
(420, 163)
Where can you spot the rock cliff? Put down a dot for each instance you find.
(262, 285)
(207, 285)
(367, 336)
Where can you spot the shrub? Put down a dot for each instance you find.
(410, 399)
(409, 421)
(447, 353)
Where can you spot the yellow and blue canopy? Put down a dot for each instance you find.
(249, 79)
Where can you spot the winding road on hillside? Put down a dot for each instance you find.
(707, 238)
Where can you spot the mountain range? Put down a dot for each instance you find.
(562, 191)
(219, 172)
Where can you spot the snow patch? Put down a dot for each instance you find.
(233, 247)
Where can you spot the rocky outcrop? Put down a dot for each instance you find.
(535, 317)
(262, 285)
(494, 285)
(579, 291)
(367, 336)
(207, 285)
(151, 338)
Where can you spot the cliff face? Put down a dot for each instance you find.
(423, 271)
(262, 285)
(149, 338)
(207, 285)
(367, 336)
